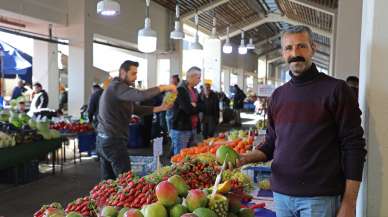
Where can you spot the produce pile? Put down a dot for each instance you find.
(165, 192)
(67, 127)
(19, 128)
(239, 141)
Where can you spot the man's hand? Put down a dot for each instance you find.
(347, 210)
(170, 87)
(194, 104)
(349, 200)
(254, 156)
(162, 107)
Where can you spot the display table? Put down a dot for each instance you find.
(22, 153)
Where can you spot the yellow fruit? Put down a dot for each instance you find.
(225, 187)
(265, 184)
(169, 98)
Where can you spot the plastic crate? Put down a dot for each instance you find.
(258, 173)
(86, 142)
(142, 165)
(21, 174)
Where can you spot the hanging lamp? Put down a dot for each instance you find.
(196, 45)
(242, 49)
(178, 33)
(108, 8)
(146, 37)
(227, 48)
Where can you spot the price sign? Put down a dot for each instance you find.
(158, 146)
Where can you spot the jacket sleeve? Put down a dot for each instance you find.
(45, 100)
(348, 120)
(140, 110)
(268, 146)
(130, 94)
(184, 103)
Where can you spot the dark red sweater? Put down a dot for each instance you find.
(314, 136)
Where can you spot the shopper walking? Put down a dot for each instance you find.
(40, 99)
(314, 138)
(238, 103)
(211, 111)
(117, 104)
(185, 111)
(93, 104)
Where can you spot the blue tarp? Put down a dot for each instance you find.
(15, 63)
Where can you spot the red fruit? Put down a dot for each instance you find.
(166, 193)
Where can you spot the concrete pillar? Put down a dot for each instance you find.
(45, 70)
(227, 81)
(212, 63)
(176, 59)
(255, 83)
(374, 104)
(152, 69)
(80, 67)
(347, 44)
(240, 79)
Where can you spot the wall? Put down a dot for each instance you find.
(347, 50)
(374, 104)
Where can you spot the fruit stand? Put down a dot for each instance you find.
(22, 153)
(184, 189)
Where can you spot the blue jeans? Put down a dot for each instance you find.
(169, 115)
(321, 206)
(182, 139)
(114, 157)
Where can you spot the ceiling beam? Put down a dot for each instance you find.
(204, 8)
(277, 48)
(270, 18)
(315, 6)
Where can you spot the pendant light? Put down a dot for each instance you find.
(242, 49)
(214, 35)
(108, 8)
(250, 46)
(178, 32)
(227, 48)
(146, 37)
(196, 45)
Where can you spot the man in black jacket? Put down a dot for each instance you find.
(238, 102)
(211, 111)
(93, 104)
(185, 118)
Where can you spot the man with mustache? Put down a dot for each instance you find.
(314, 138)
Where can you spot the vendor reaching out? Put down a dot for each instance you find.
(117, 104)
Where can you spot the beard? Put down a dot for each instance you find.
(298, 68)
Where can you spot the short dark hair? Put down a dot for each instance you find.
(96, 86)
(176, 77)
(127, 64)
(37, 84)
(352, 79)
(298, 29)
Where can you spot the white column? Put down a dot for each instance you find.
(152, 68)
(80, 69)
(374, 104)
(45, 70)
(176, 59)
(226, 81)
(348, 35)
(255, 84)
(212, 63)
(240, 79)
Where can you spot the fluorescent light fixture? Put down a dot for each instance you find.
(251, 46)
(242, 49)
(178, 32)
(196, 45)
(108, 8)
(146, 37)
(227, 48)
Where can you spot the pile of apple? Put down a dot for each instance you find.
(174, 199)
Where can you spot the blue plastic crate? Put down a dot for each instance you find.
(86, 142)
(258, 173)
(142, 165)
